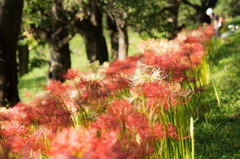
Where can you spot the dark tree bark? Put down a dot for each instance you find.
(114, 38)
(60, 61)
(173, 11)
(92, 31)
(60, 58)
(95, 43)
(204, 18)
(23, 57)
(10, 19)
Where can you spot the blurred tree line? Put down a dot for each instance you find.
(55, 22)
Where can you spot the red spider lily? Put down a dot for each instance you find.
(22, 113)
(170, 64)
(18, 138)
(119, 68)
(48, 113)
(171, 130)
(11, 128)
(159, 132)
(55, 85)
(94, 92)
(117, 111)
(124, 67)
(58, 90)
(71, 74)
(52, 113)
(136, 131)
(193, 52)
(159, 94)
(83, 143)
(155, 89)
(206, 32)
(192, 39)
(26, 94)
(117, 84)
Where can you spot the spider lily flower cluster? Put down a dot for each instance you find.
(136, 108)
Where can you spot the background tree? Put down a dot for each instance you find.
(90, 26)
(23, 54)
(57, 21)
(114, 38)
(117, 15)
(10, 19)
(49, 22)
(144, 16)
(159, 17)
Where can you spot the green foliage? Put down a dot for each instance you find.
(188, 16)
(144, 16)
(229, 8)
(22, 42)
(38, 56)
(37, 12)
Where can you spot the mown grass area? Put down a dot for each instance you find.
(35, 80)
(217, 134)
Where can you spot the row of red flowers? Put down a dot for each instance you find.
(112, 113)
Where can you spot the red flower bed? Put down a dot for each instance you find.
(126, 111)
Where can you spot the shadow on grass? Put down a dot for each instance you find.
(218, 138)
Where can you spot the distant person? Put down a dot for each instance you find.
(218, 21)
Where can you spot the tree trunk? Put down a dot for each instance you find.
(114, 45)
(92, 31)
(205, 18)
(60, 62)
(122, 43)
(121, 23)
(119, 36)
(96, 46)
(58, 41)
(23, 56)
(114, 38)
(174, 19)
(205, 4)
(10, 19)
